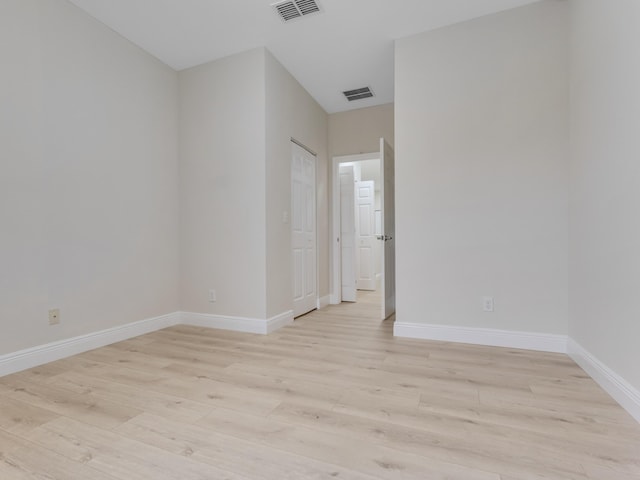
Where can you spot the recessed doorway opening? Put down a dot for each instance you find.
(363, 228)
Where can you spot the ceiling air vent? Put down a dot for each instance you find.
(292, 9)
(358, 94)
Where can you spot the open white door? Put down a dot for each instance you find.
(347, 233)
(303, 229)
(387, 189)
(365, 258)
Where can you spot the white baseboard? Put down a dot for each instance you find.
(279, 321)
(483, 336)
(616, 386)
(238, 324)
(324, 301)
(50, 352)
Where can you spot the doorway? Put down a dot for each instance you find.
(360, 252)
(363, 228)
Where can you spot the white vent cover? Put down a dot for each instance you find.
(358, 94)
(292, 9)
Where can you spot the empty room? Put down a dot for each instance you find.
(319, 239)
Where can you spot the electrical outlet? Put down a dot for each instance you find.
(487, 304)
(212, 296)
(54, 316)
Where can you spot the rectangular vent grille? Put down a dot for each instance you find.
(358, 94)
(292, 9)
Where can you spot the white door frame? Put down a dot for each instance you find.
(336, 277)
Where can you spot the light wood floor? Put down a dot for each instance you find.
(333, 396)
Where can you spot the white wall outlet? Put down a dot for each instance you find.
(285, 217)
(487, 304)
(54, 316)
(212, 296)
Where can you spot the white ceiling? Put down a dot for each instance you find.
(349, 45)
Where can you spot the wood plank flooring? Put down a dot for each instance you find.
(332, 396)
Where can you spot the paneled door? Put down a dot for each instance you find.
(365, 207)
(303, 228)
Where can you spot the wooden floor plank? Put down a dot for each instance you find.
(118, 456)
(209, 446)
(19, 417)
(85, 406)
(34, 462)
(472, 449)
(366, 457)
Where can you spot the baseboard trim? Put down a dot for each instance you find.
(238, 324)
(483, 336)
(279, 321)
(235, 324)
(616, 386)
(50, 352)
(324, 301)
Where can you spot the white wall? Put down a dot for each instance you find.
(88, 177)
(291, 113)
(605, 183)
(481, 172)
(359, 131)
(237, 118)
(222, 186)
